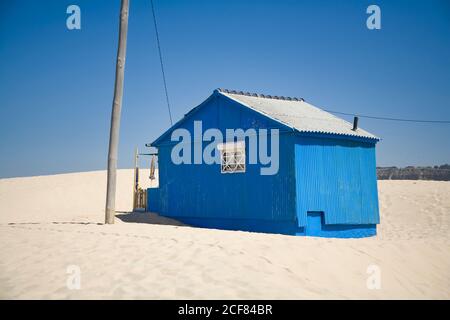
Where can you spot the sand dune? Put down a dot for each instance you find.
(50, 223)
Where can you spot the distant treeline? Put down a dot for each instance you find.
(439, 173)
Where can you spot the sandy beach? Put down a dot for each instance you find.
(51, 223)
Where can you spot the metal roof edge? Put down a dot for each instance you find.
(258, 95)
(224, 92)
(255, 110)
(179, 122)
(334, 135)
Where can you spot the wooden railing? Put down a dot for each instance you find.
(140, 201)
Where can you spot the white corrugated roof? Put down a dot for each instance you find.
(296, 113)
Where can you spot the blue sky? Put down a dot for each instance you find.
(57, 85)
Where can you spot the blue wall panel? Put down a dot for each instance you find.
(189, 191)
(336, 177)
(334, 180)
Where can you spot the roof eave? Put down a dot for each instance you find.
(371, 138)
(224, 94)
(335, 135)
(177, 124)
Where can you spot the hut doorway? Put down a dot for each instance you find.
(314, 222)
(140, 192)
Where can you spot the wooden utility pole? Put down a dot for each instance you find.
(110, 210)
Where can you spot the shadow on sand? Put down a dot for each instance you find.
(147, 217)
(54, 222)
(125, 216)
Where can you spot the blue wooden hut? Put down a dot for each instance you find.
(325, 184)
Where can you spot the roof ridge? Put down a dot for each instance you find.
(259, 95)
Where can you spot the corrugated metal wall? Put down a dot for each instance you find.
(337, 177)
(316, 173)
(200, 190)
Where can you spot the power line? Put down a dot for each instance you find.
(389, 119)
(161, 62)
